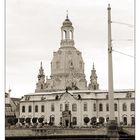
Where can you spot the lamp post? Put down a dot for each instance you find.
(112, 129)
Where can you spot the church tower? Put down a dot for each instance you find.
(93, 80)
(67, 66)
(67, 31)
(40, 85)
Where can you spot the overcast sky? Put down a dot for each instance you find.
(33, 33)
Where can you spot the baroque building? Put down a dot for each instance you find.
(66, 99)
(67, 65)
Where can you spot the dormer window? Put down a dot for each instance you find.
(27, 98)
(128, 95)
(43, 98)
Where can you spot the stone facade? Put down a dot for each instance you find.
(80, 104)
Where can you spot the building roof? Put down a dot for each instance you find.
(84, 94)
(81, 91)
(13, 98)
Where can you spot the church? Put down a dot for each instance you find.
(65, 98)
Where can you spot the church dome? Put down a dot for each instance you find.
(67, 66)
(66, 60)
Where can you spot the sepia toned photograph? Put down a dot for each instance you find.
(70, 69)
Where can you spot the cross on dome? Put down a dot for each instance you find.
(67, 15)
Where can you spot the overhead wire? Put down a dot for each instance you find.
(122, 40)
(129, 25)
(123, 53)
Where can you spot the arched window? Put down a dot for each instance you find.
(52, 107)
(23, 108)
(74, 120)
(125, 120)
(66, 107)
(74, 107)
(60, 120)
(85, 106)
(116, 118)
(64, 34)
(132, 120)
(132, 107)
(115, 107)
(36, 108)
(29, 108)
(61, 107)
(124, 107)
(107, 107)
(94, 107)
(42, 108)
(70, 35)
(100, 107)
(52, 119)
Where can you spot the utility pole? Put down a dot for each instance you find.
(110, 69)
(112, 125)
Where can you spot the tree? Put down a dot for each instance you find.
(101, 120)
(86, 120)
(34, 120)
(40, 120)
(21, 120)
(15, 120)
(10, 121)
(93, 120)
(28, 120)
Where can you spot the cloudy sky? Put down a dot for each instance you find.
(33, 33)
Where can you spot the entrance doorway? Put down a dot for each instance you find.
(66, 118)
(125, 120)
(66, 123)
